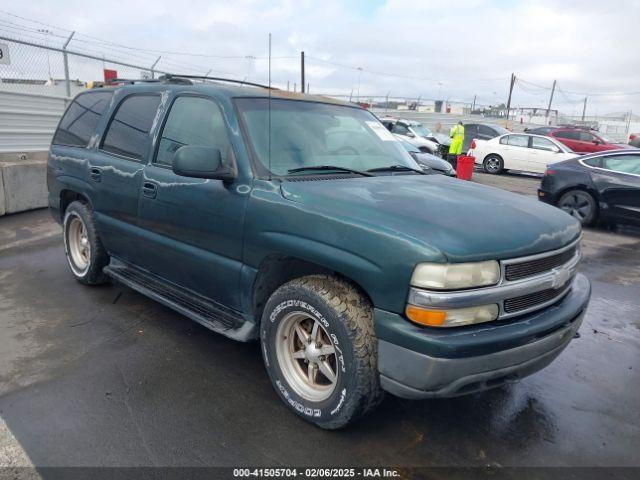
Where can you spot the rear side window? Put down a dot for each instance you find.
(586, 137)
(515, 140)
(193, 121)
(81, 118)
(593, 162)
(128, 132)
(568, 134)
(486, 131)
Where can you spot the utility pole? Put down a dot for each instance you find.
(287, 85)
(553, 89)
(473, 106)
(511, 84)
(584, 108)
(359, 73)
(302, 83)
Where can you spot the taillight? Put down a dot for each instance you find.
(473, 144)
(632, 137)
(550, 171)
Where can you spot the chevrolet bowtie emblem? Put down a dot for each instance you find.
(561, 276)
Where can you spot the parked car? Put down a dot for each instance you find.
(249, 211)
(585, 141)
(428, 161)
(518, 151)
(602, 186)
(481, 131)
(541, 130)
(634, 140)
(413, 132)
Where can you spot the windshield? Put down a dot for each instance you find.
(307, 134)
(420, 130)
(500, 130)
(607, 139)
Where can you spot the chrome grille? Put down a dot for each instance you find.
(525, 302)
(529, 268)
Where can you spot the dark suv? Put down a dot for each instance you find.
(301, 221)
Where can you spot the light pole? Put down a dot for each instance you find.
(359, 73)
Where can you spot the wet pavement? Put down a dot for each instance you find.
(104, 376)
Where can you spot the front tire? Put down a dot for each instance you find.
(493, 164)
(581, 205)
(320, 350)
(85, 254)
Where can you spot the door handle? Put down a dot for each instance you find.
(95, 174)
(149, 189)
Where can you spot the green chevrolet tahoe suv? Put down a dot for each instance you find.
(300, 221)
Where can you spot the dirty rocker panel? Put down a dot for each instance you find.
(210, 314)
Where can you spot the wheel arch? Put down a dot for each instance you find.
(276, 270)
(67, 196)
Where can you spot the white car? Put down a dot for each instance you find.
(413, 132)
(518, 151)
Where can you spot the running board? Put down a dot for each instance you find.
(213, 316)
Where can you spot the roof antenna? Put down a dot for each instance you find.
(269, 117)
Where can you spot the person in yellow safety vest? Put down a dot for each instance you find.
(457, 139)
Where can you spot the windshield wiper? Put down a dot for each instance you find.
(329, 167)
(397, 168)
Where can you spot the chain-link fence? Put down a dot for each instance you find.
(29, 67)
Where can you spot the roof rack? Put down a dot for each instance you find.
(131, 81)
(176, 77)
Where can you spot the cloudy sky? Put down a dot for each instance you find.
(433, 49)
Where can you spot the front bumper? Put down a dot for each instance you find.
(418, 362)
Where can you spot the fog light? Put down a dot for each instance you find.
(454, 317)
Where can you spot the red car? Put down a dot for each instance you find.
(584, 141)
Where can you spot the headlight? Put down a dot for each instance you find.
(452, 276)
(453, 317)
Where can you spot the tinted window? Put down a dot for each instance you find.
(388, 124)
(568, 134)
(400, 129)
(622, 164)
(517, 140)
(128, 133)
(586, 137)
(471, 130)
(543, 144)
(193, 121)
(81, 118)
(593, 162)
(486, 131)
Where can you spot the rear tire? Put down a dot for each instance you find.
(493, 164)
(320, 350)
(83, 248)
(581, 205)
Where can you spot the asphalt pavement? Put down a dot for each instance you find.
(104, 376)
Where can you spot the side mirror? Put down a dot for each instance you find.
(201, 162)
(409, 134)
(597, 142)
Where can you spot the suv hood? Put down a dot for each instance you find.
(463, 220)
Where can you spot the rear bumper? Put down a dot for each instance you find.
(547, 197)
(471, 362)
